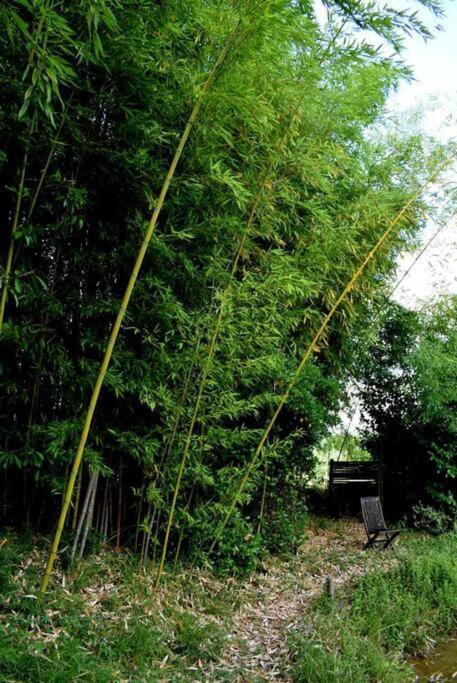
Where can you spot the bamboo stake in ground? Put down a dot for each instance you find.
(313, 344)
(123, 307)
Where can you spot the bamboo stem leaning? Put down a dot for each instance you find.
(90, 515)
(313, 344)
(218, 322)
(82, 516)
(124, 304)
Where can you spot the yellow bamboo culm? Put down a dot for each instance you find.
(313, 344)
(123, 307)
(204, 377)
(218, 322)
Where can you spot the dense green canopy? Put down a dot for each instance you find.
(290, 153)
(408, 390)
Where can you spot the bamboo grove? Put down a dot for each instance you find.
(239, 158)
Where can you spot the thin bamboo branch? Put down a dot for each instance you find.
(219, 318)
(107, 516)
(119, 509)
(156, 535)
(10, 255)
(441, 226)
(9, 258)
(138, 521)
(145, 535)
(149, 534)
(181, 532)
(262, 503)
(124, 304)
(313, 344)
(45, 169)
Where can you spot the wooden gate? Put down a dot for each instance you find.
(351, 480)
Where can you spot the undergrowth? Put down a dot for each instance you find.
(386, 616)
(106, 623)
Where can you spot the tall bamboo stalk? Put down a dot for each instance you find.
(124, 303)
(119, 509)
(313, 344)
(217, 325)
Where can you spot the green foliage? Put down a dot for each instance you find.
(386, 616)
(240, 549)
(285, 515)
(94, 96)
(432, 520)
(105, 625)
(194, 639)
(408, 388)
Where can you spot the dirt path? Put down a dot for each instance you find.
(275, 602)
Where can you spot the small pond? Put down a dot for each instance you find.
(440, 666)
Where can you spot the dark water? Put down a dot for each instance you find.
(440, 666)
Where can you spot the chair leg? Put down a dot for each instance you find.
(390, 539)
(371, 541)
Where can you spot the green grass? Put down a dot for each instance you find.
(366, 634)
(107, 624)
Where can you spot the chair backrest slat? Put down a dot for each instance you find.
(373, 517)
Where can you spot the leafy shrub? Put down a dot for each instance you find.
(432, 520)
(285, 528)
(239, 550)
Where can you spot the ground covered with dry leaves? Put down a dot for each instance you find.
(103, 621)
(275, 602)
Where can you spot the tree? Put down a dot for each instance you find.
(408, 383)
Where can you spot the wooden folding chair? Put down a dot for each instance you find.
(375, 526)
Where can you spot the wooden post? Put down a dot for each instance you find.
(380, 479)
(330, 586)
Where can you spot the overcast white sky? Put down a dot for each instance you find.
(435, 86)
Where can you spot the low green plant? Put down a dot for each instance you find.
(196, 639)
(432, 520)
(284, 528)
(385, 616)
(240, 550)
(105, 623)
